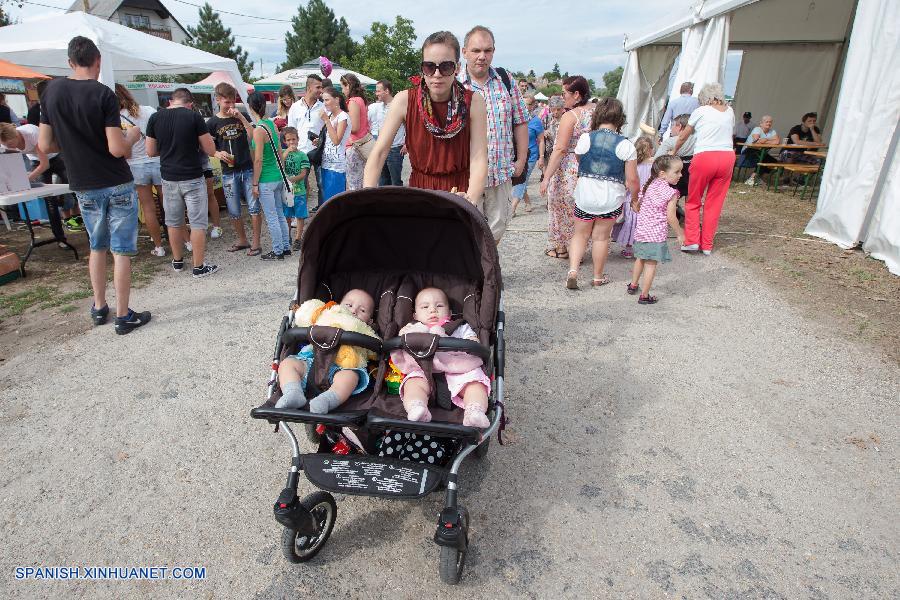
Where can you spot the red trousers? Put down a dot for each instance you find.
(710, 173)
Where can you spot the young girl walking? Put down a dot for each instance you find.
(607, 171)
(623, 233)
(655, 207)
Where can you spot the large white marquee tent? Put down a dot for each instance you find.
(297, 77)
(42, 45)
(834, 57)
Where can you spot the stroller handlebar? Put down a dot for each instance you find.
(348, 338)
(447, 344)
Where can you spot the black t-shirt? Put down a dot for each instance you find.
(804, 137)
(79, 111)
(229, 135)
(176, 131)
(34, 114)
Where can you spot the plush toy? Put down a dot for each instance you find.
(331, 314)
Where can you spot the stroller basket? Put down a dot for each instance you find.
(371, 476)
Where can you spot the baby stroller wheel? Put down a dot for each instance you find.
(298, 547)
(453, 560)
(482, 450)
(311, 434)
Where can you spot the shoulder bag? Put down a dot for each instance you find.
(288, 187)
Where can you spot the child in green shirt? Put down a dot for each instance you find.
(296, 164)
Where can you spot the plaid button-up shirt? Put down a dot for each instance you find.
(505, 110)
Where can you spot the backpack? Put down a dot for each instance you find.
(507, 83)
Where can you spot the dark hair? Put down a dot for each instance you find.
(313, 76)
(285, 131)
(661, 164)
(478, 29)
(226, 90)
(608, 111)
(285, 91)
(126, 101)
(336, 93)
(808, 115)
(355, 87)
(442, 37)
(577, 83)
(182, 95)
(83, 51)
(257, 103)
(326, 83)
(41, 86)
(386, 85)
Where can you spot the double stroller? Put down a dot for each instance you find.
(391, 242)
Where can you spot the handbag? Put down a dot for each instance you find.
(315, 155)
(364, 145)
(288, 187)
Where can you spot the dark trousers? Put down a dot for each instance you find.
(392, 172)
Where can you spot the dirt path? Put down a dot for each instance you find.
(718, 444)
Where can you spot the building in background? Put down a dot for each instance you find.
(149, 16)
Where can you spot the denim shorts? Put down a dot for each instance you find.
(111, 218)
(238, 185)
(190, 194)
(298, 210)
(146, 173)
(306, 355)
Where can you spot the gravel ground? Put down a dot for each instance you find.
(715, 445)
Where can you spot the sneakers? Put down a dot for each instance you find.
(751, 180)
(188, 246)
(131, 321)
(158, 251)
(690, 247)
(204, 270)
(215, 233)
(74, 223)
(99, 316)
(287, 252)
(178, 265)
(707, 252)
(296, 246)
(272, 256)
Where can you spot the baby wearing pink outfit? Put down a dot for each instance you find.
(469, 385)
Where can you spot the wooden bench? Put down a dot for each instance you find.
(807, 171)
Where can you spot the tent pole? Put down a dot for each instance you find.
(877, 192)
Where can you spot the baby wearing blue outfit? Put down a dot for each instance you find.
(293, 371)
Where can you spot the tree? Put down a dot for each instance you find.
(612, 80)
(212, 36)
(388, 52)
(5, 19)
(316, 32)
(554, 74)
(531, 74)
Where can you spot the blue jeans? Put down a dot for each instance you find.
(270, 200)
(518, 191)
(392, 172)
(111, 218)
(237, 185)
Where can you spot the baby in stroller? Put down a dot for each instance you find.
(293, 371)
(468, 384)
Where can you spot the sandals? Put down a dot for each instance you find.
(554, 253)
(528, 207)
(647, 299)
(572, 280)
(598, 281)
(254, 251)
(238, 247)
(631, 290)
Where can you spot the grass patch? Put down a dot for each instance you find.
(68, 308)
(862, 275)
(41, 296)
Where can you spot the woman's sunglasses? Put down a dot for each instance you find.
(447, 68)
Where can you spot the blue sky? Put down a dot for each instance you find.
(531, 34)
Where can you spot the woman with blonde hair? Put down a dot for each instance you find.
(144, 169)
(711, 166)
(286, 99)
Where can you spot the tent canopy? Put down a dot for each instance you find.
(217, 77)
(540, 96)
(13, 71)
(296, 78)
(42, 44)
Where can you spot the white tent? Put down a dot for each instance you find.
(540, 96)
(297, 77)
(798, 56)
(42, 44)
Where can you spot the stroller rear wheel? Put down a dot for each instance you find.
(298, 547)
(311, 433)
(453, 560)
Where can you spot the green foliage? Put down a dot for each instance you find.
(531, 74)
(316, 32)
(612, 80)
(388, 52)
(212, 36)
(4, 18)
(552, 90)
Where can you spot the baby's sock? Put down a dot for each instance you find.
(324, 403)
(418, 411)
(292, 396)
(475, 417)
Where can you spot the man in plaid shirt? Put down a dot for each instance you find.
(507, 126)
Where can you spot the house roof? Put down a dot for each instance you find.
(105, 9)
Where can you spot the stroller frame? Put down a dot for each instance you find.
(308, 522)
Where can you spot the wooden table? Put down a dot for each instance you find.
(763, 148)
(45, 191)
(817, 153)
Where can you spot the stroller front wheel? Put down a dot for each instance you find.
(453, 562)
(299, 547)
